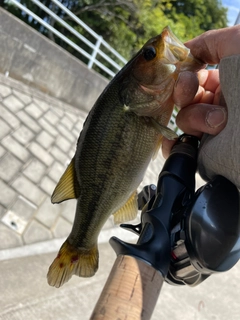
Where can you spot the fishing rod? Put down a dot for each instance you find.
(184, 237)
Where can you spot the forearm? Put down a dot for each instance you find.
(220, 155)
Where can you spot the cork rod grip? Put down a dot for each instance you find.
(130, 293)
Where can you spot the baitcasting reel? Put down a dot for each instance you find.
(184, 234)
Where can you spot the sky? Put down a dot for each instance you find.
(233, 10)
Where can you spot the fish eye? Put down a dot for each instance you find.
(149, 53)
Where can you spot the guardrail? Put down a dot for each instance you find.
(96, 50)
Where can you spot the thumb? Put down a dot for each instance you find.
(202, 118)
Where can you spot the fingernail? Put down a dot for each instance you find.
(215, 117)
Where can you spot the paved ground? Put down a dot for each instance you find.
(37, 139)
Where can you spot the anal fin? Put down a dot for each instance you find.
(67, 187)
(128, 211)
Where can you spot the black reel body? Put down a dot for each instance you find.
(206, 239)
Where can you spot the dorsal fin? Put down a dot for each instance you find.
(128, 211)
(67, 187)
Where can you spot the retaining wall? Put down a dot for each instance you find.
(30, 57)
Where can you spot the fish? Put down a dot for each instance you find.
(120, 136)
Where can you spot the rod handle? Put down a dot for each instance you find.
(131, 291)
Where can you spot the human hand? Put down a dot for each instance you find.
(204, 112)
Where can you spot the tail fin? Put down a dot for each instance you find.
(71, 260)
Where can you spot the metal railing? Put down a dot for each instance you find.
(96, 50)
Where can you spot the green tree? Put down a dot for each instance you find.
(198, 15)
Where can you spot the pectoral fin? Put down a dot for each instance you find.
(157, 147)
(165, 131)
(67, 187)
(128, 211)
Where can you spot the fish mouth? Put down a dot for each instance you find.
(177, 58)
(176, 53)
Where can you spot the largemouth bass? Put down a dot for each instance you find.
(120, 136)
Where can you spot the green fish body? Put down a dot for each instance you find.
(114, 149)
